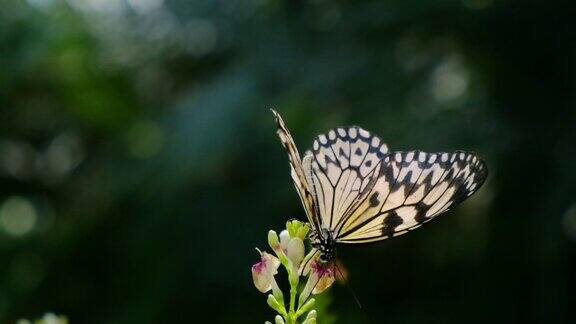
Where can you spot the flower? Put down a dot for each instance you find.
(295, 251)
(321, 276)
(284, 240)
(292, 242)
(325, 275)
(290, 252)
(263, 272)
(297, 228)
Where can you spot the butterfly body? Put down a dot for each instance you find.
(354, 190)
(325, 243)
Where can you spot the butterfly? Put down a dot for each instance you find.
(355, 190)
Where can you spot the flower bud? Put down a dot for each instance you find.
(273, 240)
(311, 314)
(277, 292)
(284, 240)
(310, 321)
(275, 305)
(295, 251)
(278, 320)
(306, 307)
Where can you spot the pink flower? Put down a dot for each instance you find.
(263, 272)
(321, 276)
(325, 275)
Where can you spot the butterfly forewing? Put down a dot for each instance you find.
(344, 168)
(411, 189)
(297, 171)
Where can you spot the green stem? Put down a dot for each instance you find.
(293, 293)
(293, 279)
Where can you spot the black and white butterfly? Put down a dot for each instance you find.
(354, 190)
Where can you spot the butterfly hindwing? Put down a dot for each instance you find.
(411, 189)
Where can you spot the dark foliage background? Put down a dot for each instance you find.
(139, 165)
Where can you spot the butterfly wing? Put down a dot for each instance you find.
(352, 185)
(345, 166)
(297, 170)
(411, 189)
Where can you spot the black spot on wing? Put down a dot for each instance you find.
(374, 201)
(388, 173)
(408, 176)
(391, 221)
(358, 152)
(328, 159)
(421, 212)
(426, 182)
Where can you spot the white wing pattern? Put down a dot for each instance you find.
(345, 167)
(361, 192)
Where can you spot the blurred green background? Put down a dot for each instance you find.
(139, 165)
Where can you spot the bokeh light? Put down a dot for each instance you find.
(18, 216)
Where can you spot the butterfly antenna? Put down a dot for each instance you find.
(348, 285)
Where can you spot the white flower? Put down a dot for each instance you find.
(263, 272)
(284, 240)
(295, 251)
